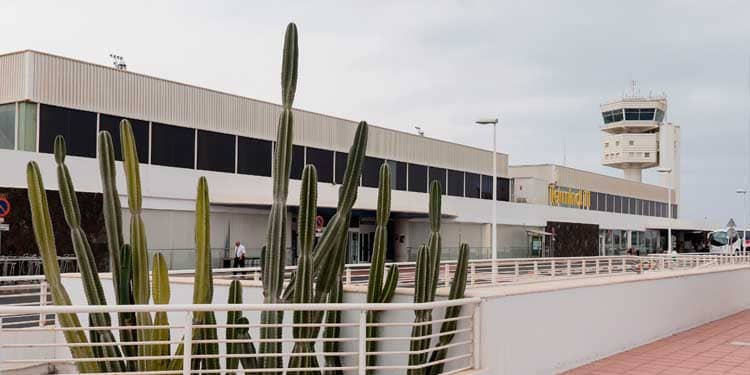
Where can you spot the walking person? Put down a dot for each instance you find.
(239, 256)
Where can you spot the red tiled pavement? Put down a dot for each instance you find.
(703, 350)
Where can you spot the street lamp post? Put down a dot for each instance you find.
(669, 206)
(493, 122)
(744, 231)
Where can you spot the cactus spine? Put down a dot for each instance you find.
(119, 261)
(376, 291)
(305, 351)
(458, 287)
(45, 240)
(89, 276)
(273, 257)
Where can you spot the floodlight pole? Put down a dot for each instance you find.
(493, 122)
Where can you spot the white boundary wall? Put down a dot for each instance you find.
(550, 331)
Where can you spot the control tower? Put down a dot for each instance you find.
(636, 138)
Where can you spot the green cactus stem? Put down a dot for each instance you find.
(45, 239)
(89, 277)
(120, 267)
(304, 279)
(273, 261)
(458, 287)
(161, 292)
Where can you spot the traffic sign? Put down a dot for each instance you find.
(4, 227)
(4, 206)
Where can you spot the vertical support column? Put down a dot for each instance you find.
(552, 267)
(472, 274)
(476, 325)
(348, 276)
(42, 302)
(609, 265)
(568, 270)
(596, 264)
(188, 351)
(624, 266)
(516, 271)
(362, 336)
(447, 273)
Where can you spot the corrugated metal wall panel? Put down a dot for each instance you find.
(75, 84)
(12, 77)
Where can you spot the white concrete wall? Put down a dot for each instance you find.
(555, 330)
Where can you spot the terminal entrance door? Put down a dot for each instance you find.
(359, 246)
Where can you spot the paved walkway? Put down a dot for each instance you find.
(720, 347)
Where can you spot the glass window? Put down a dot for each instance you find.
(455, 183)
(399, 173)
(27, 112)
(8, 126)
(602, 198)
(610, 203)
(340, 166)
(503, 189)
(674, 211)
(254, 156)
(486, 187)
(417, 178)
(659, 115)
(298, 162)
(140, 132)
(370, 171)
(438, 174)
(647, 114)
(216, 151)
(77, 127)
(172, 146)
(617, 115)
(618, 204)
(323, 162)
(631, 114)
(594, 201)
(473, 185)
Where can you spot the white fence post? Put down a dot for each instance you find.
(552, 267)
(476, 324)
(42, 302)
(609, 265)
(361, 357)
(188, 351)
(596, 264)
(517, 270)
(447, 273)
(348, 278)
(473, 273)
(568, 270)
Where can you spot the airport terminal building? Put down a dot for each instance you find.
(184, 131)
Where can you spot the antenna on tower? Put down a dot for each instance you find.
(118, 62)
(632, 89)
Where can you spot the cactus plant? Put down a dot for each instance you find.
(305, 350)
(141, 290)
(333, 317)
(458, 287)
(161, 293)
(272, 263)
(428, 267)
(119, 260)
(239, 347)
(45, 239)
(86, 263)
(376, 291)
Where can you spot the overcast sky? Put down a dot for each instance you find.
(543, 67)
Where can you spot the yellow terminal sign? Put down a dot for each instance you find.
(566, 197)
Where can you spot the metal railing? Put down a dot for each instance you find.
(44, 347)
(32, 265)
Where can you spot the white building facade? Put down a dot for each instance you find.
(183, 132)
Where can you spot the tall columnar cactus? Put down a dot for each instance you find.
(305, 350)
(333, 317)
(119, 261)
(141, 290)
(45, 239)
(428, 270)
(161, 293)
(237, 330)
(273, 257)
(458, 287)
(86, 263)
(376, 291)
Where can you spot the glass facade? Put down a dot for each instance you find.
(140, 133)
(340, 166)
(77, 127)
(8, 126)
(455, 183)
(173, 146)
(254, 156)
(438, 174)
(27, 115)
(323, 162)
(417, 178)
(216, 151)
(473, 185)
(371, 171)
(298, 162)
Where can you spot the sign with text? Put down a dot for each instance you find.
(4, 206)
(569, 197)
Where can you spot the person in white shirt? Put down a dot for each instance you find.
(239, 255)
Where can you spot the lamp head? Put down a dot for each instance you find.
(487, 121)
